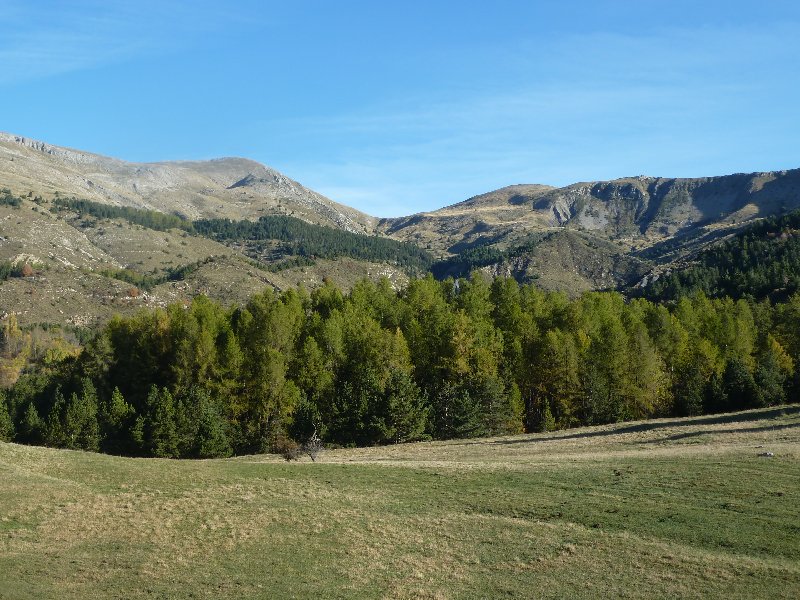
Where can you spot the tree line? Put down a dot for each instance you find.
(316, 241)
(305, 241)
(438, 359)
(151, 219)
(761, 261)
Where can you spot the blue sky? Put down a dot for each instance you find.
(399, 107)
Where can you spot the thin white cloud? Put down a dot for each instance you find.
(671, 103)
(40, 42)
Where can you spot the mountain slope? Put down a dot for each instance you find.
(233, 188)
(637, 211)
(85, 268)
(596, 235)
(585, 236)
(761, 261)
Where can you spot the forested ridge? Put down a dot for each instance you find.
(484, 253)
(761, 261)
(152, 219)
(315, 241)
(305, 241)
(439, 359)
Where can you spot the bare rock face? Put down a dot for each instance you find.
(224, 188)
(636, 212)
(654, 208)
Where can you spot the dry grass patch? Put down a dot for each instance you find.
(672, 508)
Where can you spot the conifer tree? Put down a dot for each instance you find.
(31, 428)
(80, 419)
(55, 433)
(773, 371)
(407, 411)
(116, 420)
(138, 441)
(160, 436)
(696, 368)
(548, 423)
(212, 439)
(6, 424)
(740, 386)
(456, 414)
(715, 398)
(557, 386)
(186, 414)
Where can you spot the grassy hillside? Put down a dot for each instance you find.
(561, 259)
(227, 188)
(86, 257)
(670, 508)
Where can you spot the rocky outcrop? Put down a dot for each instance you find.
(637, 211)
(655, 208)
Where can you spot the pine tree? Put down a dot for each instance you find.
(80, 419)
(695, 369)
(770, 380)
(138, 436)
(32, 428)
(408, 412)
(547, 422)
(466, 418)
(606, 367)
(212, 439)
(160, 436)
(740, 387)
(313, 373)
(501, 408)
(774, 372)
(187, 411)
(55, 433)
(116, 419)
(715, 399)
(456, 414)
(555, 374)
(6, 424)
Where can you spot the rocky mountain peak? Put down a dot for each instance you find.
(233, 188)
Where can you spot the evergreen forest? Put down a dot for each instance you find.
(436, 360)
(763, 260)
(305, 241)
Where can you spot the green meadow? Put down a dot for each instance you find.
(671, 508)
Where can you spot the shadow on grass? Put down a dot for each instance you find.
(690, 434)
(741, 417)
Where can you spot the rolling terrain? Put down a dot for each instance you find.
(586, 236)
(598, 235)
(79, 263)
(77, 258)
(687, 508)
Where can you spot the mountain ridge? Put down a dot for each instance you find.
(641, 210)
(193, 189)
(576, 238)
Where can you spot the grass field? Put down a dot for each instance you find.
(659, 509)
